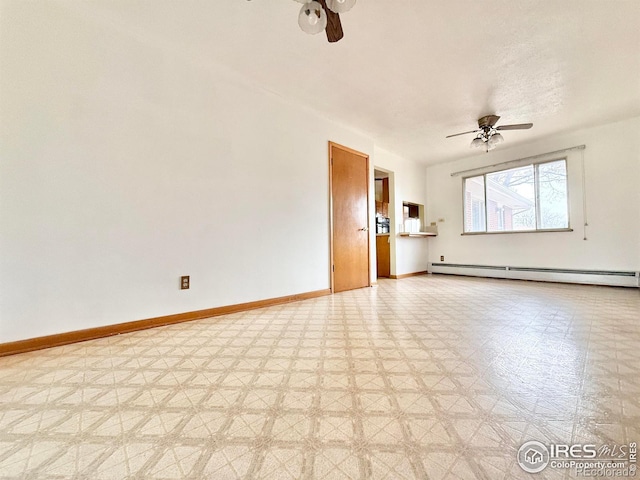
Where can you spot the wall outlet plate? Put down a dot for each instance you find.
(442, 258)
(184, 282)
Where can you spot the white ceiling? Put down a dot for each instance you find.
(410, 72)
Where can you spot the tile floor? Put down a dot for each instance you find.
(425, 378)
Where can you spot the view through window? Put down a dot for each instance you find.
(529, 198)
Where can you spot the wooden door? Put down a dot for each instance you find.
(350, 218)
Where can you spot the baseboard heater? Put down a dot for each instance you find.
(595, 277)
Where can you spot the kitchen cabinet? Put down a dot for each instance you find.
(382, 190)
(382, 197)
(385, 190)
(383, 255)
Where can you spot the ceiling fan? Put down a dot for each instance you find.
(488, 135)
(316, 16)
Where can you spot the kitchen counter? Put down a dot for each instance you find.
(418, 234)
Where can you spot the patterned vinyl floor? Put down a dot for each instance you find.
(421, 378)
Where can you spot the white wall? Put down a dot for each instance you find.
(612, 160)
(408, 185)
(124, 166)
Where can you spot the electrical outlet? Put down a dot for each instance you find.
(441, 220)
(433, 224)
(442, 258)
(184, 282)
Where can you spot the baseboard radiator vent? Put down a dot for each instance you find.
(595, 277)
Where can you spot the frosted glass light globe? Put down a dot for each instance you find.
(477, 143)
(340, 6)
(312, 18)
(497, 138)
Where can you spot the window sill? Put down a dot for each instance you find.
(550, 230)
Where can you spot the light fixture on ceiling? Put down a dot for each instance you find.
(319, 15)
(495, 139)
(477, 142)
(487, 134)
(340, 6)
(487, 139)
(312, 18)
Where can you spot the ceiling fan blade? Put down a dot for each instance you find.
(334, 25)
(463, 133)
(517, 126)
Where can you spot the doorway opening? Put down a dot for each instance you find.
(385, 222)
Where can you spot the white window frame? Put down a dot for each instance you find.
(535, 166)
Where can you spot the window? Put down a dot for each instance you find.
(474, 218)
(514, 191)
(478, 215)
(523, 199)
(552, 194)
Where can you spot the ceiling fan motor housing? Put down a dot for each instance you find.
(488, 121)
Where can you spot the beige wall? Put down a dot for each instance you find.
(125, 166)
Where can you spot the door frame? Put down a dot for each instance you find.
(368, 167)
(392, 214)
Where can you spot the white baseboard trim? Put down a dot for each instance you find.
(589, 277)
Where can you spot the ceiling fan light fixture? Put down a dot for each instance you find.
(312, 18)
(487, 134)
(340, 6)
(477, 143)
(496, 138)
